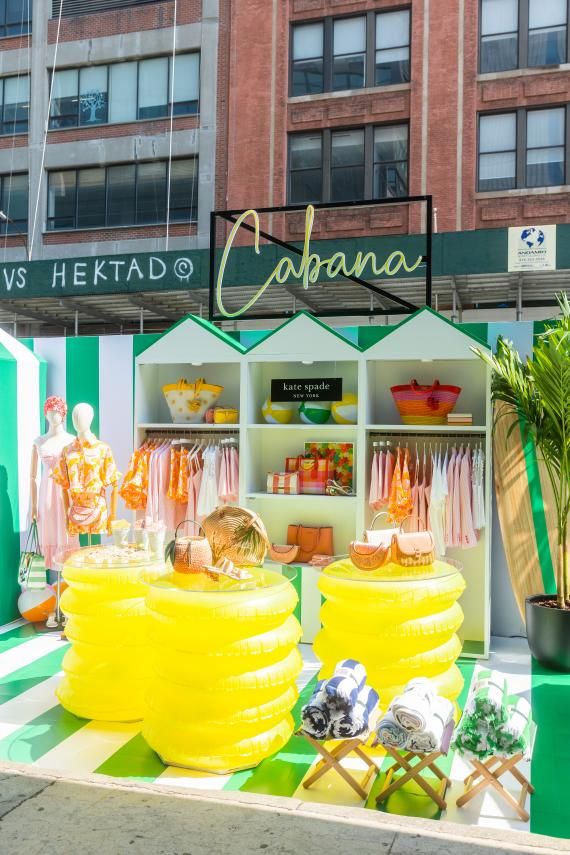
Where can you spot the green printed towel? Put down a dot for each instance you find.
(513, 737)
(488, 699)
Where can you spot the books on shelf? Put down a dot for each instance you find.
(459, 418)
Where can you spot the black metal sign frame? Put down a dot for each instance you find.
(401, 306)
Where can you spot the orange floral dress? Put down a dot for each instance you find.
(85, 469)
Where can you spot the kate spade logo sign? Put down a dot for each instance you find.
(314, 389)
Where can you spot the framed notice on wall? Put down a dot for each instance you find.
(532, 248)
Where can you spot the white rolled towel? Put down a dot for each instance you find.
(390, 732)
(412, 710)
(431, 737)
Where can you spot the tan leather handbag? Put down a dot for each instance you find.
(413, 548)
(369, 556)
(283, 554)
(311, 540)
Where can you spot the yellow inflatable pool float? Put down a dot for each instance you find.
(224, 669)
(400, 622)
(104, 674)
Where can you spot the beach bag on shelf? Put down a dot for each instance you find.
(283, 554)
(188, 402)
(311, 540)
(226, 416)
(369, 556)
(32, 569)
(380, 536)
(293, 464)
(283, 483)
(315, 473)
(413, 548)
(425, 405)
(192, 553)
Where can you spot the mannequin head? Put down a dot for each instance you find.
(55, 411)
(82, 417)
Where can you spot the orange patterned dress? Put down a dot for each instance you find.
(85, 469)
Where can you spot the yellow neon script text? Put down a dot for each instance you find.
(310, 264)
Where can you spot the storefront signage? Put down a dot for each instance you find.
(532, 248)
(107, 274)
(314, 389)
(311, 266)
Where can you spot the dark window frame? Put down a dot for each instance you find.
(108, 66)
(194, 213)
(523, 33)
(25, 25)
(326, 158)
(521, 145)
(8, 128)
(370, 16)
(13, 226)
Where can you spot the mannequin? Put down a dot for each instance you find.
(48, 502)
(85, 471)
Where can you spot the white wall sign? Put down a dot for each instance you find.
(532, 248)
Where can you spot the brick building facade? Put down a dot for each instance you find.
(456, 75)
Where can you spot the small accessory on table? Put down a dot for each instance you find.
(310, 540)
(333, 488)
(368, 556)
(192, 553)
(321, 560)
(283, 483)
(283, 554)
(380, 536)
(413, 549)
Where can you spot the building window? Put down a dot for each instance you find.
(15, 95)
(125, 92)
(545, 147)
(526, 148)
(307, 60)
(345, 165)
(14, 203)
(392, 47)
(349, 53)
(390, 161)
(338, 54)
(15, 17)
(523, 33)
(124, 195)
(85, 7)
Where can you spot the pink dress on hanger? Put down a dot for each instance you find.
(52, 520)
(449, 533)
(467, 535)
(388, 474)
(457, 498)
(234, 475)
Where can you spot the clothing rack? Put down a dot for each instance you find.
(396, 439)
(223, 435)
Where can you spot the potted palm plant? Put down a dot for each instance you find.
(537, 392)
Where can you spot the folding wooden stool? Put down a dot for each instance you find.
(331, 759)
(403, 760)
(487, 774)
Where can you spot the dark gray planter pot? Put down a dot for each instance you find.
(548, 631)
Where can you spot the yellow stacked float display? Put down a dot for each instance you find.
(224, 666)
(105, 670)
(400, 622)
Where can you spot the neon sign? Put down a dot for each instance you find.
(310, 265)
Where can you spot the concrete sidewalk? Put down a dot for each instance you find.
(52, 815)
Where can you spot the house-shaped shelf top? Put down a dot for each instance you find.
(304, 337)
(426, 335)
(192, 339)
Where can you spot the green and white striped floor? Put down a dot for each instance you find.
(35, 729)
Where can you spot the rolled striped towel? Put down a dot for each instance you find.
(390, 733)
(413, 709)
(316, 716)
(355, 722)
(488, 698)
(348, 679)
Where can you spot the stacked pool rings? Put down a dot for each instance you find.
(400, 625)
(104, 675)
(224, 670)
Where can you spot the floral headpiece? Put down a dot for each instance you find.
(54, 402)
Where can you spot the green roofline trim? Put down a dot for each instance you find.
(428, 310)
(206, 325)
(316, 321)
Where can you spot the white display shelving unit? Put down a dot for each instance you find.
(425, 346)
